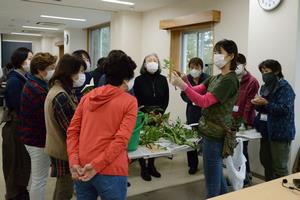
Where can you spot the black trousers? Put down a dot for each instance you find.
(16, 163)
(192, 157)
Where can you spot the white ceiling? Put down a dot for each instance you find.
(16, 13)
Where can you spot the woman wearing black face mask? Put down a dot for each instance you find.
(275, 120)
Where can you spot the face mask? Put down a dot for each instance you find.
(269, 77)
(219, 60)
(152, 67)
(195, 73)
(240, 69)
(80, 81)
(130, 84)
(26, 66)
(49, 75)
(88, 66)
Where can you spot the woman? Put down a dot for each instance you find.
(32, 121)
(217, 97)
(16, 161)
(85, 78)
(152, 91)
(275, 120)
(244, 111)
(60, 105)
(193, 112)
(99, 159)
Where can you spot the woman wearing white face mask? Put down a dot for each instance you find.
(217, 96)
(14, 152)
(32, 130)
(193, 112)
(60, 105)
(152, 91)
(86, 77)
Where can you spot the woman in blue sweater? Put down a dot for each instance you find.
(275, 120)
(16, 161)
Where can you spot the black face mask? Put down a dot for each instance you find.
(271, 81)
(269, 77)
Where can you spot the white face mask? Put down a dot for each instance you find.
(219, 60)
(130, 84)
(195, 73)
(80, 81)
(152, 67)
(49, 75)
(240, 69)
(26, 66)
(88, 66)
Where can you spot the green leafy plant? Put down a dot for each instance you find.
(158, 126)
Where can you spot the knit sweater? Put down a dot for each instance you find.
(32, 127)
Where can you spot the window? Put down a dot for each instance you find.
(99, 43)
(197, 44)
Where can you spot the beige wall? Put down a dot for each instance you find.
(156, 40)
(77, 40)
(274, 35)
(126, 34)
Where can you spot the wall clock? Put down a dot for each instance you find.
(269, 4)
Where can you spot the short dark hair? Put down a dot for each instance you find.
(19, 56)
(118, 67)
(241, 59)
(274, 65)
(80, 53)
(143, 68)
(67, 66)
(196, 61)
(231, 48)
(41, 61)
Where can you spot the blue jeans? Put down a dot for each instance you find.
(213, 170)
(107, 187)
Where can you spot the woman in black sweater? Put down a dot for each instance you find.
(152, 91)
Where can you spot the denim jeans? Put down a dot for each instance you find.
(213, 168)
(107, 187)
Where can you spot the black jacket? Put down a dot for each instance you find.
(193, 112)
(152, 90)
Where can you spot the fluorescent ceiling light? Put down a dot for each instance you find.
(41, 28)
(27, 34)
(119, 2)
(64, 18)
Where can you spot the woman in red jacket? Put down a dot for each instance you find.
(98, 151)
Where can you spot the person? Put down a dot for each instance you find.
(244, 110)
(275, 120)
(193, 112)
(152, 91)
(217, 96)
(99, 71)
(86, 77)
(32, 130)
(99, 159)
(16, 160)
(60, 105)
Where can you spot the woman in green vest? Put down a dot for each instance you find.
(217, 96)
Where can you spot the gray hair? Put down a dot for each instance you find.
(143, 68)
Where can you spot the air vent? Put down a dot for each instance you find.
(51, 24)
(32, 31)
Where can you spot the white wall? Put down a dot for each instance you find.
(77, 40)
(126, 34)
(231, 27)
(274, 35)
